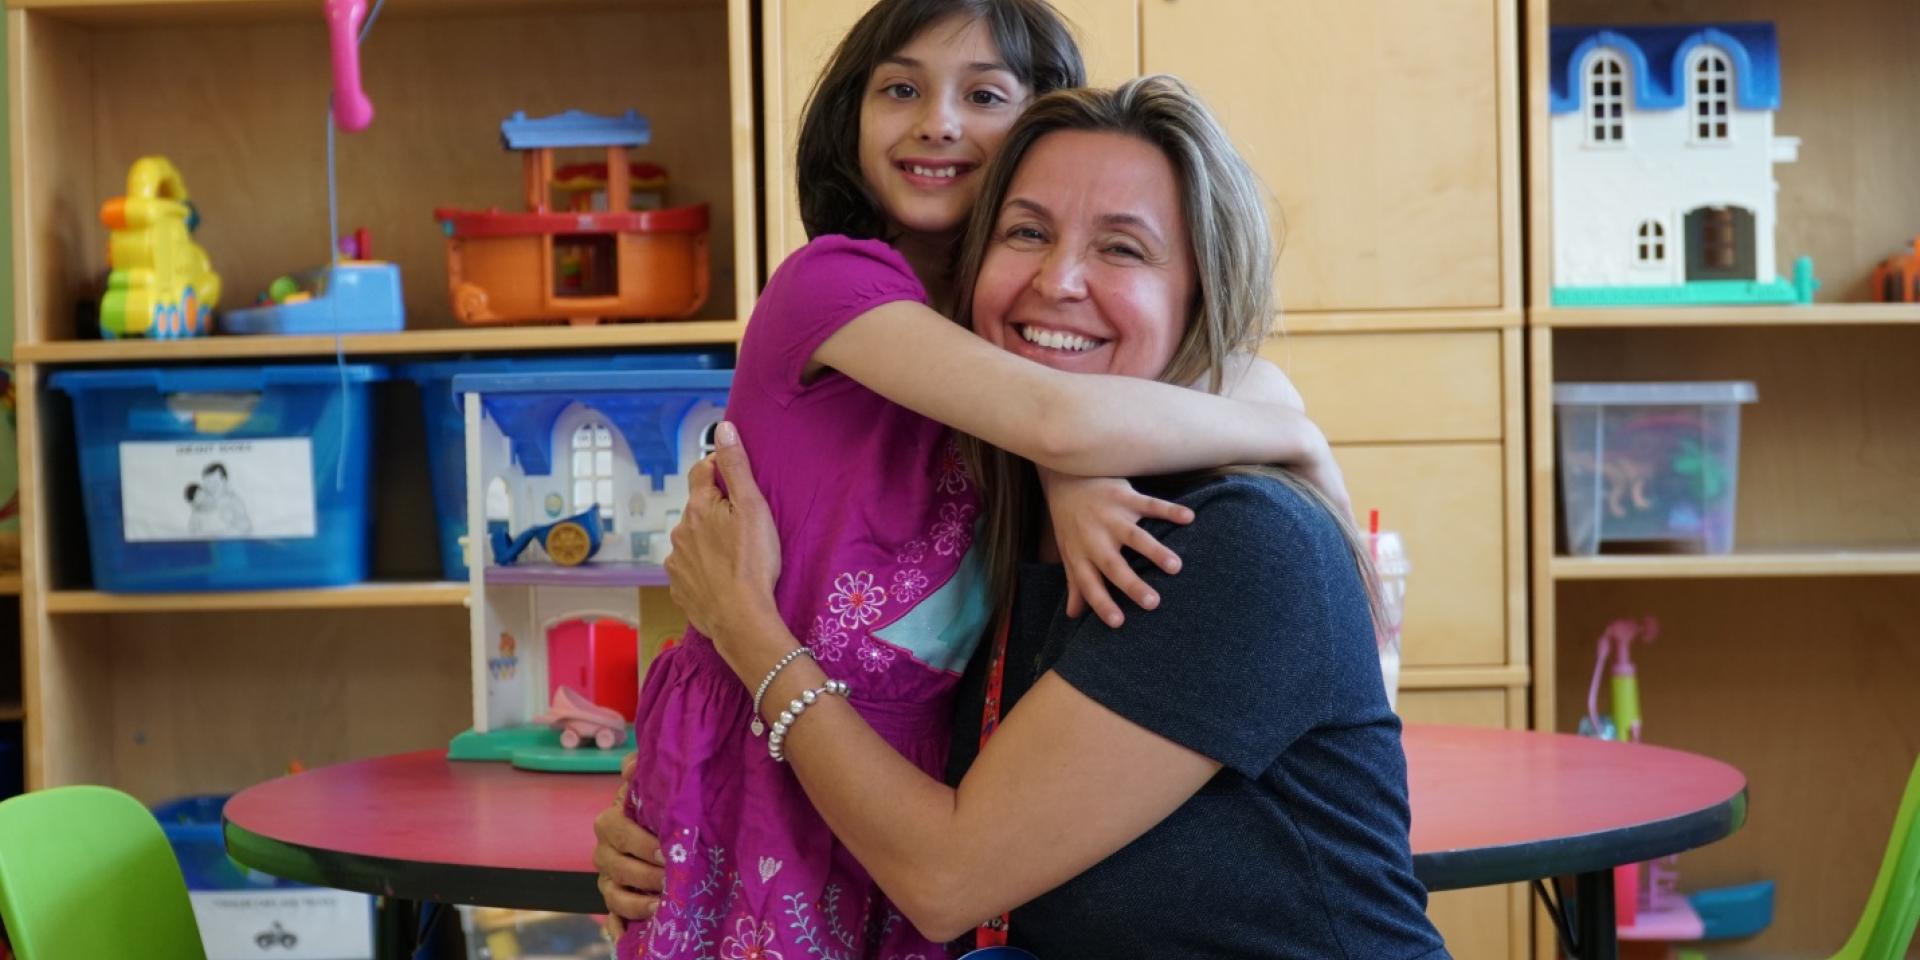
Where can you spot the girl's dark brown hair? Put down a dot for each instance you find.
(1033, 40)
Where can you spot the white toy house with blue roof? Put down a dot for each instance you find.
(1663, 155)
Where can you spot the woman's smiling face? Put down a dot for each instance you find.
(1090, 268)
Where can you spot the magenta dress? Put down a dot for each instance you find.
(879, 577)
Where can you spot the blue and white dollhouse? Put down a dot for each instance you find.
(1663, 153)
(605, 449)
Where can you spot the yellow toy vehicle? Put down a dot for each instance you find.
(161, 284)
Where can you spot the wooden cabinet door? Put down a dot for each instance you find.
(1377, 127)
(1446, 500)
(1481, 921)
(799, 37)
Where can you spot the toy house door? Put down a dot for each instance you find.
(1720, 244)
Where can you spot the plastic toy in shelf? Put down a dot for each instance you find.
(580, 720)
(1897, 278)
(608, 262)
(568, 543)
(354, 295)
(589, 467)
(1663, 149)
(161, 284)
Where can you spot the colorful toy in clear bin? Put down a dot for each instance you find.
(161, 284)
(609, 262)
(354, 295)
(1649, 462)
(1897, 278)
(577, 477)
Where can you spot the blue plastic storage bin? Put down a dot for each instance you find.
(446, 424)
(249, 477)
(193, 827)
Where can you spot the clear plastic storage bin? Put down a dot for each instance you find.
(1649, 462)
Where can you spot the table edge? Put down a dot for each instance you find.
(1584, 853)
(560, 891)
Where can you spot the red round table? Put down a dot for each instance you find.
(1489, 807)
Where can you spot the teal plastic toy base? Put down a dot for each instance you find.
(1699, 293)
(537, 748)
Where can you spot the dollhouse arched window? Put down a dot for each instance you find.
(1711, 94)
(593, 468)
(1606, 99)
(708, 443)
(1652, 243)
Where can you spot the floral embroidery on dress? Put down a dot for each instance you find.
(908, 585)
(873, 655)
(678, 853)
(953, 469)
(954, 531)
(806, 931)
(856, 599)
(826, 640)
(749, 942)
(914, 552)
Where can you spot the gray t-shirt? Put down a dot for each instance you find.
(1262, 657)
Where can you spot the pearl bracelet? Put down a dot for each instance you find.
(755, 725)
(777, 740)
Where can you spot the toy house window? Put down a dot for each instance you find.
(593, 468)
(1712, 96)
(1652, 245)
(1606, 99)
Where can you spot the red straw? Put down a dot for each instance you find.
(1373, 533)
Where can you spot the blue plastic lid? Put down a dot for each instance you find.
(663, 360)
(593, 381)
(213, 379)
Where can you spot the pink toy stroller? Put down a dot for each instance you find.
(580, 719)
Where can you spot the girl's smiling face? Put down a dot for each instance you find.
(1090, 268)
(934, 113)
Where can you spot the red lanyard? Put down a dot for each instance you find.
(993, 933)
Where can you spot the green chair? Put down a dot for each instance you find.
(1893, 908)
(86, 872)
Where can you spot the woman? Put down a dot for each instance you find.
(1220, 777)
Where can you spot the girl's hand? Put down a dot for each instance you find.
(1094, 518)
(726, 553)
(628, 861)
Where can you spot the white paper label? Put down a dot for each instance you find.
(217, 490)
(304, 924)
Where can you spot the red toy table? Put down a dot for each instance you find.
(1489, 807)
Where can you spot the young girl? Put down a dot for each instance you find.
(852, 387)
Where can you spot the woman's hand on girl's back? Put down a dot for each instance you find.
(627, 859)
(726, 552)
(1094, 520)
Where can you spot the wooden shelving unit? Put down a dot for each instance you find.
(1792, 657)
(367, 596)
(501, 340)
(166, 695)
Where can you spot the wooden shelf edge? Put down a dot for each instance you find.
(10, 583)
(362, 596)
(1463, 678)
(1786, 315)
(1831, 563)
(10, 712)
(530, 338)
(1397, 321)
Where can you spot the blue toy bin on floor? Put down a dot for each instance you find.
(249, 477)
(193, 829)
(446, 424)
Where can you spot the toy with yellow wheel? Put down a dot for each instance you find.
(162, 284)
(568, 543)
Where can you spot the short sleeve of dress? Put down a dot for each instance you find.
(816, 291)
(1263, 632)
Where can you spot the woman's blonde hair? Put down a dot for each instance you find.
(1225, 209)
